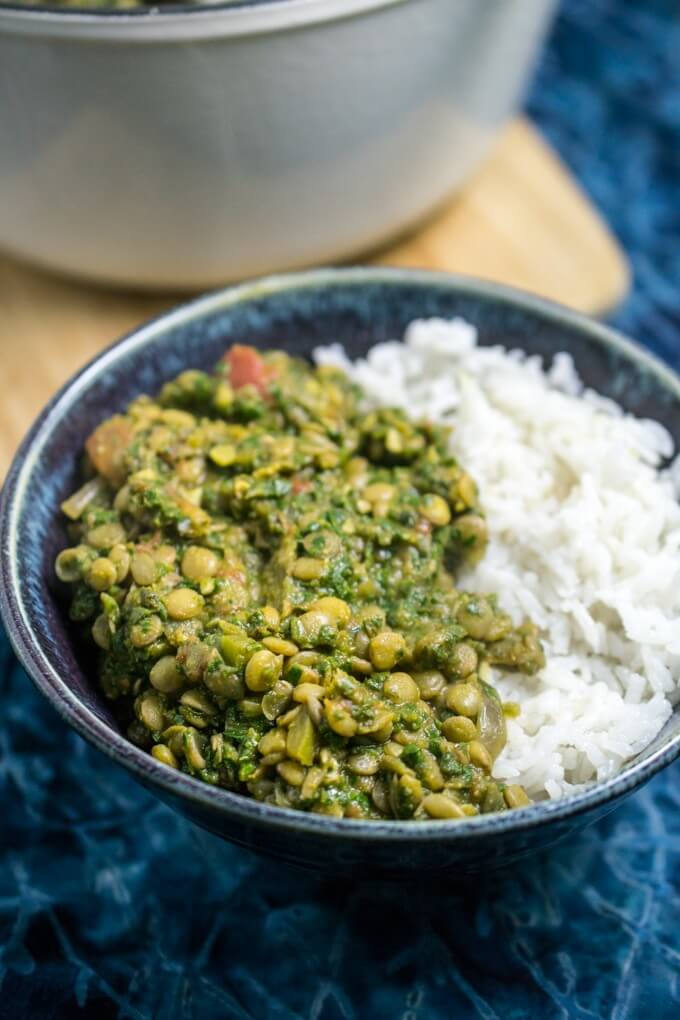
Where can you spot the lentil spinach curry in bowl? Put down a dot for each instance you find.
(277, 571)
(269, 574)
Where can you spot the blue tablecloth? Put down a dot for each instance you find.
(106, 907)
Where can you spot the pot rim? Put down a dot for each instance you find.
(181, 22)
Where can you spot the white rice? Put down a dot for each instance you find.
(585, 539)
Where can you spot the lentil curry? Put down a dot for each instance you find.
(268, 573)
(120, 5)
(113, 4)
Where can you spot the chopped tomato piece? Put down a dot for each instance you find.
(247, 368)
(106, 448)
(423, 526)
(235, 574)
(300, 485)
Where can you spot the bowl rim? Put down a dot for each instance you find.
(180, 21)
(174, 783)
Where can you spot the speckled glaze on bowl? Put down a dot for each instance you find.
(358, 307)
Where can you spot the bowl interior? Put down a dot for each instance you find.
(356, 307)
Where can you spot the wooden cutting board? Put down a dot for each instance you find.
(521, 220)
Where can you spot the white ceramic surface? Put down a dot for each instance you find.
(190, 148)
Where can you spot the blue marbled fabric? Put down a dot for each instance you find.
(107, 907)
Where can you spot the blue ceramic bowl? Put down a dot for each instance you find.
(358, 307)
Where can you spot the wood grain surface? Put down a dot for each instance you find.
(521, 220)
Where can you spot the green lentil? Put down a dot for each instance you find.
(183, 604)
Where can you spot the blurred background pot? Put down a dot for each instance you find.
(200, 145)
